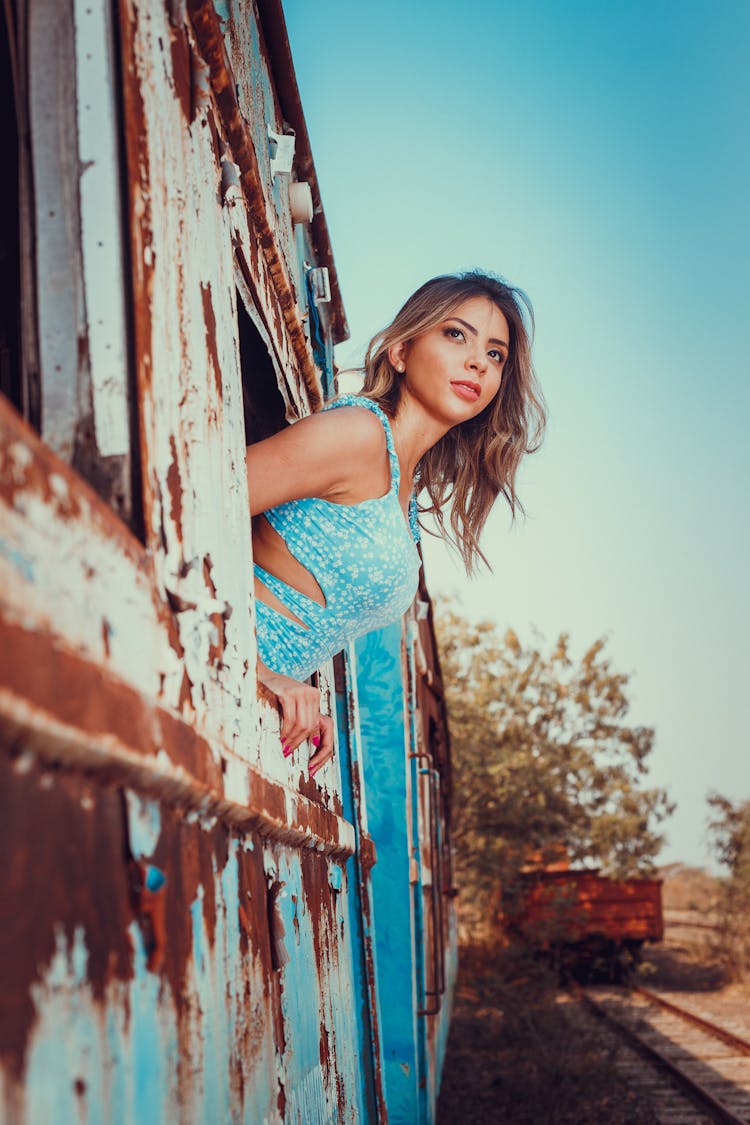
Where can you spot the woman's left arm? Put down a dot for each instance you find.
(334, 455)
(327, 455)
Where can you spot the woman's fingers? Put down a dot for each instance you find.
(300, 708)
(324, 753)
(288, 718)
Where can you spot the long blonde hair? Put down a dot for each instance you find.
(477, 460)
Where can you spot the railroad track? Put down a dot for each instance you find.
(692, 919)
(707, 1063)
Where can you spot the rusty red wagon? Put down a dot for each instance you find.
(586, 923)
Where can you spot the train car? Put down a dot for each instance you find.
(587, 924)
(191, 928)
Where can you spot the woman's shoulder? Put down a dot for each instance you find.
(333, 455)
(364, 406)
(359, 422)
(334, 446)
(359, 446)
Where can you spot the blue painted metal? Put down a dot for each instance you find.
(386, 772)
(364, 966)
(418, 825)
(413, 916)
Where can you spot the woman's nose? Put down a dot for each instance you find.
(476, 361)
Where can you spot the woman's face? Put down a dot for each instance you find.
(454, 369)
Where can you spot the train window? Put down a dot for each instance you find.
(16, 382)
(10, 282)
(266, 410)
(64, 358)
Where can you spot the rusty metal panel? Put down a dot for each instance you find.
(573, 905)
(174, 970)
(285, 83)
(189, 922)
(61, 549)
(259, 105)
(193, 436)
(278, 297)
(168, 925)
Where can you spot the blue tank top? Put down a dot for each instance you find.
(364, 558)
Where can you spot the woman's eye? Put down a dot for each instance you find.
(499, 357)
(454, 333)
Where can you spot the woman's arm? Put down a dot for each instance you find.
(339, 455)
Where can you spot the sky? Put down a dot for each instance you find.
(598, 156)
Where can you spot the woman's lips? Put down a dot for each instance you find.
(467, 390)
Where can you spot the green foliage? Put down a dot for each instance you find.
(543, 758)
(730, 838)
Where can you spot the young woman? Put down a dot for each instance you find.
(449, 406)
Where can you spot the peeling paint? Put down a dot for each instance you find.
(211, 337)
(179, 46)
(144, 824)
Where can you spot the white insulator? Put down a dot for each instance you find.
(300, 202)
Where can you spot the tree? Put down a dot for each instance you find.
(543, 757)
(730, 838)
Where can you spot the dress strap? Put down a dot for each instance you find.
(368, 404)
(414, 518)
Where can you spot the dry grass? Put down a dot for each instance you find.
(704, 921)
(516, 1055)
(688, 888)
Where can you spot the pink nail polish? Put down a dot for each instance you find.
(286, 750)
(315, 740)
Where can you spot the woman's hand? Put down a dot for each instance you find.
(300, 716)
(324, 742)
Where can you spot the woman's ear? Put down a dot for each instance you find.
(397, 356)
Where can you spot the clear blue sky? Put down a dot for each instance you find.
(598, 156)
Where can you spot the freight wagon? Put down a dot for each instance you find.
(585, 923)
(191, 928)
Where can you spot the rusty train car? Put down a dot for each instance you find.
(586, 924)
(192, 929)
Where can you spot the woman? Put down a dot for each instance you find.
(449, 402)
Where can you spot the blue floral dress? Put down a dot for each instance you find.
(364, 558)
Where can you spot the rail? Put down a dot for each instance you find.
(728, 1037)
(694, 1089)
(674, 921)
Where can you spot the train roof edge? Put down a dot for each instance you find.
(282, 65)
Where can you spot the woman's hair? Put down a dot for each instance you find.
(476, 460)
